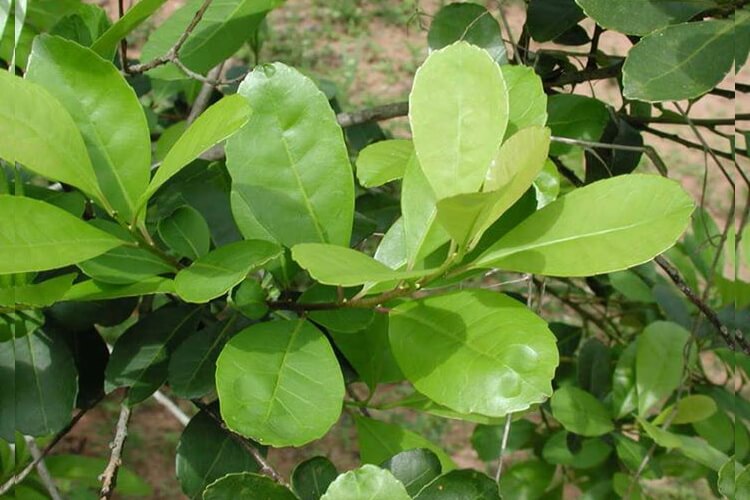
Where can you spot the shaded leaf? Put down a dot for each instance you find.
(311, 478)
(414, 468)
(659, 362)
(239, 485)
(460, 484)
(547, 19)
(186, 232)
(469, 22)
(575, 117)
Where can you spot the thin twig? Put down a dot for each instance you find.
(504, 444)
(204, 96)
(41, 469)
(647, 150)
(109, 476)
(124, 41)
(172, 408)
(684, 142)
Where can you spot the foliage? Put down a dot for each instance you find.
(219, 238)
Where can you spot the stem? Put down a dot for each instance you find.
(109, 476)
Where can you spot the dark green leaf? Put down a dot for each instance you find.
(606, 162)
(641, 17)
(106, 44)
(575, 117)
(311, 478)
(90, 354)
(528, 480)
(469, 22)
(594, 368)
(460, 484)
(250, 299)
(591, 453)
(487, 439)
(580, 412)
(547, 19)
(414, 468)
(186, 232)
(85, 470)
(240, 485)
(344, 320)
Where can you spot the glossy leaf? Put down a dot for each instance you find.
(334, 265)
(488, 354)
(37, 295)
(240, 485)
(366, 483)
(140, 357)
(659, 362)
(218, 271)
(457, 484)
(580, 412)
(289, 164)
(30, 228)
(186, 232)
(206, 453)
(679, 62)
(575, 117)
(38, 132)
(311, 478)
(629, 220)
(107, 112)
(641, 17)
(279, 383)
(469, 22)
(528, 102)
(216, 124)
(458, 109)
(548, 19)
(383, 162)
(414, 468)
(106, 44)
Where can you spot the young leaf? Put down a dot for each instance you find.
(580, 412)
(206, 453)
(465, 483)
(218, 271)
(659, 362)
(279, 383)
(458, 109)
(335, 265)
(628, 220)
(679, 62)
(186, 232)
(528, 102)
(488, 354)
(38, 132)
(641, 17)
(468, 22)
(213, 126)
(239, 485)
(29, 229)
(414, 468)
(107, 112)
(289, 165)
(311, 478)
(106, 44)
(366, 483)
(383, 162)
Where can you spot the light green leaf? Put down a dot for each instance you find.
(379, 441)
(383, 162)
(467, 22)
(289, 164)
(606, 226)
(186, 232)
(106, 44)
(487, 353)
(528, 102)
(250, 299)
(659, 362)
(423, 404)
(279, 383)
(311, 478)
(31, 229)
(216, 124)
(458, 109)
(37, 131)
(366, 483)
(107, 112)
(548, 19)
(689, 409)
(218, 271)
(39, 295)
(335, 265)
(240, 485)
(694, 448)
(679, 62)
(93, 290)
(575, 117)
(580, 412)
(641, 17)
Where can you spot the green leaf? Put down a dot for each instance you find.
(580, 412)
(467, 22)
(414, 468)
(37, 295)
(741, 50)
(106, 44)
(689, 409)
(734, 480)
(344, 320)
(30, 229)
(528, 102)
(41, 370)
(719, 431)
(140, 357)
(107, 112)
(83, 25)
(192, 366)
(216, 124)
(458, 109)
(595, 367)
(628, 220)
(218, 271)
(383, 162)
(461, 484)
(379, 441)
(575, 117)
(250, 299)
(206, 453)
(84, 470)
(240, 485)
(547, 184)
(548, 19)
(334, 265)
(366, 483)
(641, 17)
(487, 439)
(694, 448)
(423, 404)
(93, 290)
(591, 454)
(487, 353)
(528, 480)
(37, 131)
(279, 383)
(186, 232)
(679, 62)
(289, 164)
(225, 27)
(311, 478)
(632, 286)
(659, 362)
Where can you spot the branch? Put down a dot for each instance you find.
(703, 122)
(377, 113)
(204, 96)
(109, 476)
(647, 150)
(585, 75)
(684, 142)
(41, 469)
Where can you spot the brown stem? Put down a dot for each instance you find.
(109, 476)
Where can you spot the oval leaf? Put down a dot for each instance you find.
(414, 468)
(528, 102)
(580, 412)
(186, 232)
(383, 162)
(659, 362)
(641, 17)
(366, 483)
(468, 22)
(461, 484)
(311, 478)
(247, 485)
